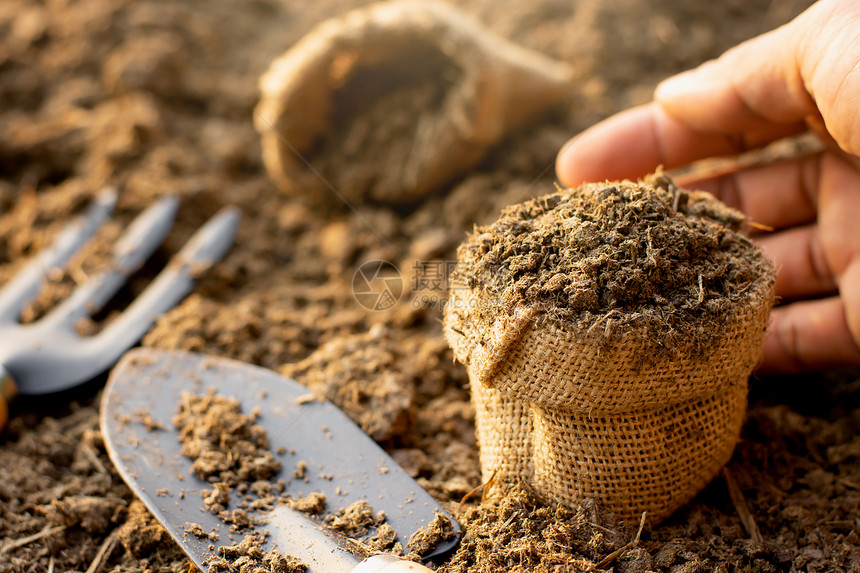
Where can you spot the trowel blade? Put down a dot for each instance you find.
(142, 396)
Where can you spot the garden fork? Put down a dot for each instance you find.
(48, 355)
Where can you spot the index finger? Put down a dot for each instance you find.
(805, 70)
(635, 142)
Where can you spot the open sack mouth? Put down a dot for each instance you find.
(416, 84)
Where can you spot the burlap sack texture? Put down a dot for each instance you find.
(500, 88)
(578, 415)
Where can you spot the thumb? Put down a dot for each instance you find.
(805, 70)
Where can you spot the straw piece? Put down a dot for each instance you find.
(740, 503)
(12, 545)
(107, 547)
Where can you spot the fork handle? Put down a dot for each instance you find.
(8, 390)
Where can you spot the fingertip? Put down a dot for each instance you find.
(569, 167)
(620, 147)
(591, 155)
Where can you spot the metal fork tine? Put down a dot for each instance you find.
(137, 244)
(27, 283)
(208, 245)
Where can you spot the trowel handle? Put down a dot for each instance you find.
(389, 564)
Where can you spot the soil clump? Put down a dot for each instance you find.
(248, 556)
(227, 447)
(439, 530)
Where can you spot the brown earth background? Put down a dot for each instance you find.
(157, 97)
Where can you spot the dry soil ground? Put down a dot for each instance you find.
(157, 96)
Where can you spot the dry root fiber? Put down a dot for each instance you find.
(414, 82)
(608, 333)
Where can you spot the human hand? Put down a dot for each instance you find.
(804, 75)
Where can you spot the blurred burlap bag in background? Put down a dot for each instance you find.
(608, 334)
(448, 88)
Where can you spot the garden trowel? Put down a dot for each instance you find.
(143, 394)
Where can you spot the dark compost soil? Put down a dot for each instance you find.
(657, 257)
(157, 97)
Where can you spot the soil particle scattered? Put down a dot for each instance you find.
(248, 556)
(263, 488)
(356, 519)
(216, 499)
(312, 504)
(226, 445)
(301, 471)
(197, 530)
(384, 540)
(650, 255)
(278, 563)
(262, 504)
(147, 420)
(240, 520)
(425, 539)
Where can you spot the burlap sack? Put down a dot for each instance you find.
(577, 415)
(500, 87)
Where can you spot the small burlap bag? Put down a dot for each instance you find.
(600, 405)
(489, 88)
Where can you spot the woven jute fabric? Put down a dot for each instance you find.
(502, 88)
(579, 414)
